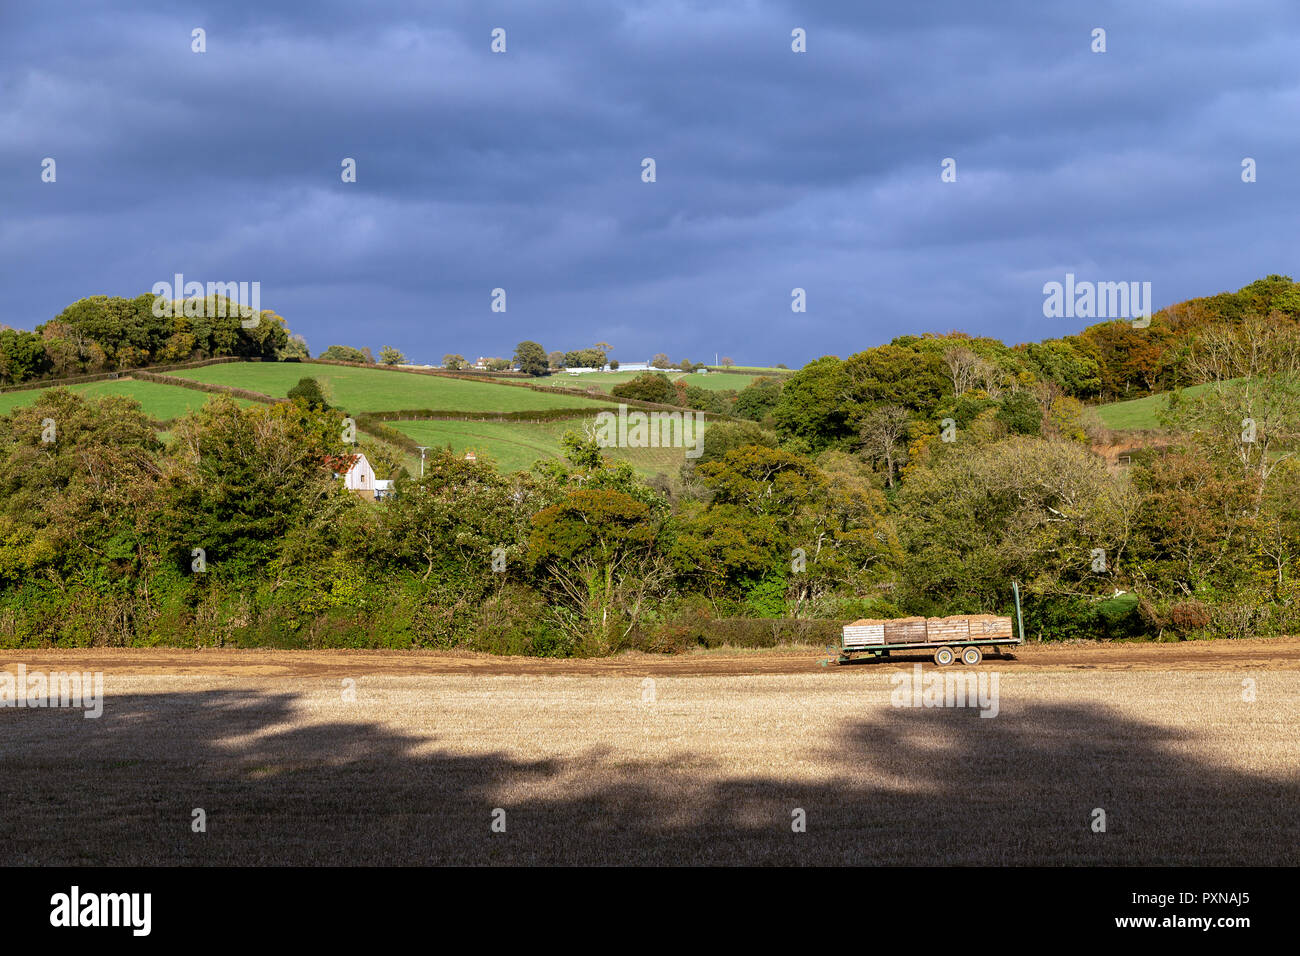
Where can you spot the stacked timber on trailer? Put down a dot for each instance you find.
(947, 630)
(957, 629)
(990, 626)
(905, 630)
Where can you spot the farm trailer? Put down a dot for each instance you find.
(964, 635)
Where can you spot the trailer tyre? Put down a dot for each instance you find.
(944, 656)
(971, 656)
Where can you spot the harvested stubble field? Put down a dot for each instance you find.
(589, 770)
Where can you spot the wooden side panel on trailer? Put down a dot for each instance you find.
(958, 636)
(864, 633)
(991, 626)
(947, 630)
(905, 630)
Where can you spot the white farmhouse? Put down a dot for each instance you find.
(357, 474)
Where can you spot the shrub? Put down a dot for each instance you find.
(1188, 616)
(308, 391)
(647, 387)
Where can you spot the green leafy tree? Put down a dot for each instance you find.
(978, 516)
(295, 347)
(22, 356)
(812, 404)
(595, 549)
(77, 480)
(531, 358)
(647, 387)
(585, 358)
(450, 523)
(346, 353)
(309, 393)
(757, 400)
(243, 478)
(1021, 414)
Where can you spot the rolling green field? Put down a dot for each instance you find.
(1139, 413)
(607, 380)
(374, 390)
(514, 446)
(163, 402)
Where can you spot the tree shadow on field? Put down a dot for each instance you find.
(914, 786)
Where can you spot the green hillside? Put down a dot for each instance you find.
(163, 402)
(1140, 413)
(516, 445)
(375, 390)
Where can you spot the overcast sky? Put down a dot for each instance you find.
(523, 170)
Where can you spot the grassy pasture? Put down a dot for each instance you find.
(1140, 413)
(514, 446)
(163, 402)
(375, 390)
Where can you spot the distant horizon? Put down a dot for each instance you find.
(622, 172)
(507, 353)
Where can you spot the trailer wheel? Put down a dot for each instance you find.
(971, 656)
(944, 656)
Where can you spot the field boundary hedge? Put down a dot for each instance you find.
(536, 416)
(488, 377)
(211, 389)
(37, 384)
(157, 374)
(375, 428)
(543, 389)
(710, 632)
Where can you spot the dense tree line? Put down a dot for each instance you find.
(109, 333)
(236, 530)
(918, 477)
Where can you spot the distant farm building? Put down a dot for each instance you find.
(358, 476)
(623, 367)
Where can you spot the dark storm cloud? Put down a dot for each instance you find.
(522, 170)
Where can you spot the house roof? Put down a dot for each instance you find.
(342, 464)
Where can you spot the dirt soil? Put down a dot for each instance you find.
(1274, 653)
(1077, 755)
